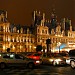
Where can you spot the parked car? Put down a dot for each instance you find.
(71, 58)
(36, 56)
(12, 59)
(54, 59)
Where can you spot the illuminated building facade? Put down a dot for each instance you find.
(59, 32)
(17, 38)
(25, 38)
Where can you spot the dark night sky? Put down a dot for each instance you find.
(19, 11)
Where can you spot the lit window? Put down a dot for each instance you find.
(46, 31)
(38, 30)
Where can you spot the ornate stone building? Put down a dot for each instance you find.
(25, 39)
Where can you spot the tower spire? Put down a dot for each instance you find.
(6, 14)
(70, 26)
(53, 19)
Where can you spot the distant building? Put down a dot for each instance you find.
(25, 38)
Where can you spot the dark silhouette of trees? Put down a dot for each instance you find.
(8, 49)
(38, 48)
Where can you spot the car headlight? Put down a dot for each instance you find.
(37, 61)
(0, 55)
(58, 60)
(68, 61)
(50, 59)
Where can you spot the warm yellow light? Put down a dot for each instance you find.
(13, 47)
(4, 47)
(30, 46)
(58, 43)
(34, 47)
(8, 39)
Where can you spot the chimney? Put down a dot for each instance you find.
(6, 14)
(34, 15)
(70, 25)
(64, 23)
(70, 22)
(44, 17)
(39, 12)
(36, 11)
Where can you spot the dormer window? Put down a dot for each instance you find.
(42, 31)
(21, 30)
(46, 31)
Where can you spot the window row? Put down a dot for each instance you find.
(17, 40)
(43, 31)
(53, 40)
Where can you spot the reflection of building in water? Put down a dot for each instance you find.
(25, 38)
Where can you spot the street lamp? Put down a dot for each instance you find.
(59, 46)
(48, 42)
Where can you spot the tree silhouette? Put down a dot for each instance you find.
(8, 49)
(38, 48)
